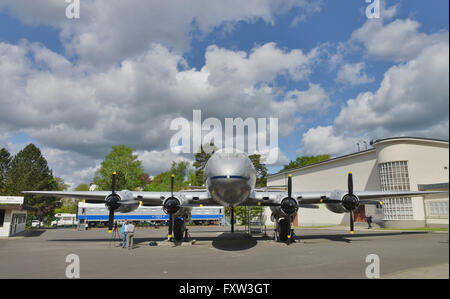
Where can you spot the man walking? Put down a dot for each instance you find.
(130, 234)
(124, 234)
(369, 221)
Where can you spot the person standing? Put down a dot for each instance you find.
(124, 234)
(369, 221)
(130, 235)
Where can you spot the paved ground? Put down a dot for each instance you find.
(320, 253)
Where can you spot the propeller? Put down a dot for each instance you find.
(171, 206)
(289, 206)
(112, 202)
(232, 219)
(351, 202)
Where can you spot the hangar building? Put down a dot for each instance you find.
(398, 163)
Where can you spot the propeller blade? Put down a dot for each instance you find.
(111, 220)
(170, 226)
(232, 219)
(111, 210)
(350, 183)
(113, 183)
(352, 228)
(171, 183)
(289, 185)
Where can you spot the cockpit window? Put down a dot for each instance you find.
(229, 154)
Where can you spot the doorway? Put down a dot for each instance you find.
(360, 214)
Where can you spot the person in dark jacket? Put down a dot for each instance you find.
(369, 221)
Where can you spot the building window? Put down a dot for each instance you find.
(394, 176)
(2, 217)
(438, 209)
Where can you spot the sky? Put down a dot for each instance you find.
(123, 70)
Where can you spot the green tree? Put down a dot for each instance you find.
(304, 161)
(61, 185)
(201, 158)
(261, 170)
(241, 213)
(162, 181)
(70, 205)
(29, 171)
(5, 165)
(82, 187)
(125, 164)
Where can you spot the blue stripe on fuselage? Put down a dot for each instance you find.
(230, 177)
(145, 217)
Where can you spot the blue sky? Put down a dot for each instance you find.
(344, 73)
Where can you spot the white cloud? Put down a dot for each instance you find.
(397, 41)
(323, 140)
(72, 109)
(412, 100)
(155, 162)
(264, 63)
(314, 98)
(411, 96)
(108, 32)
(353, 74)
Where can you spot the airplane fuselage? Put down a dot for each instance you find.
(230, 177)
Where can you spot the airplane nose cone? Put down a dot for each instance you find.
(229, 178)
(229, 191)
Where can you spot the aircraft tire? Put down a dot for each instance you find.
(283, 227)
(178, 229)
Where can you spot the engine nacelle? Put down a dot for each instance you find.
(288, 207)
(125, 203)
(172, 205)
(349, 202)
(336, 208)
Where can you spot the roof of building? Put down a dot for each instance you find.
(401, 138)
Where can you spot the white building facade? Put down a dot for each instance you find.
(12, 217)
(392, 164)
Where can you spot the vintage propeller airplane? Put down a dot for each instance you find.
(230, 181)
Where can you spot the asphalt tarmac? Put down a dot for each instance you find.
(216, 253)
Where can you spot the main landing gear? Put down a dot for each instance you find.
(180, 232)
(284, 231)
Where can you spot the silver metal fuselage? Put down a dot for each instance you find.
(230, 178)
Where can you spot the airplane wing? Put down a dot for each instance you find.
(307, 198)
(126, 201)
(188, 198)
(88, 195)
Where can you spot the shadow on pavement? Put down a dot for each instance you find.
(31, 233)
(239, 241)
(347, 238)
